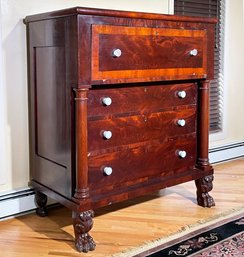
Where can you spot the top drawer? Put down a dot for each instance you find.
(122, 53)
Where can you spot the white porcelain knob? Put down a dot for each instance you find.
(182, 94)
(108, 171)
(193, 52)
(107, 134)
(181, 122)
(182, 154)
(116, 53)
(107, 101)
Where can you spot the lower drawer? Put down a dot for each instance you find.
(135, 129)
(131, 165)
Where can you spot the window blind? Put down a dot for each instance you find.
(210, 8)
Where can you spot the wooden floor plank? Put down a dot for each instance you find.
(126, 224)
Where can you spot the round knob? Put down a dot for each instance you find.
(182, 94)
(182, 154)
(193, 52)
(107, 134)
(108, 171)
(107, 101)
(181, 122)
(116, 53)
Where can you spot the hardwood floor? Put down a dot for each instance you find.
(124, 225)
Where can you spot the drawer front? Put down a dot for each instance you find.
(119, 131)
(131, 165)
(120, 52)
(132, 100)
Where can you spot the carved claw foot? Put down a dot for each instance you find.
(41, 201)
(204, 185)
(83, 223)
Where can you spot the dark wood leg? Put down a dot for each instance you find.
(41, 201)
(83, 223)
(205, 185)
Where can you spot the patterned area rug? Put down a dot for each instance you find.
(223, 237)
(226, 240)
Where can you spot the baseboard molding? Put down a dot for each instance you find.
(19, 202)
(22, 201)
(226, 152)
(16, 203)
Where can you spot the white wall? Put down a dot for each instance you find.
(14, 167)
(14, 172)
(234, 80)
(2, 119)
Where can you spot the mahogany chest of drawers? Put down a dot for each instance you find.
(118, 108)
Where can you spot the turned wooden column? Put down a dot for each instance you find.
(204, 184)
(203, 126)
(81, 190)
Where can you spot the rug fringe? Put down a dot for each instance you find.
(179, 233)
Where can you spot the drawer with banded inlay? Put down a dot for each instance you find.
(155, 52)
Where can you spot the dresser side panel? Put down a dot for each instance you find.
(49, 105)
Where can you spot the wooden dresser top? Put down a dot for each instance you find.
(115, 13)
